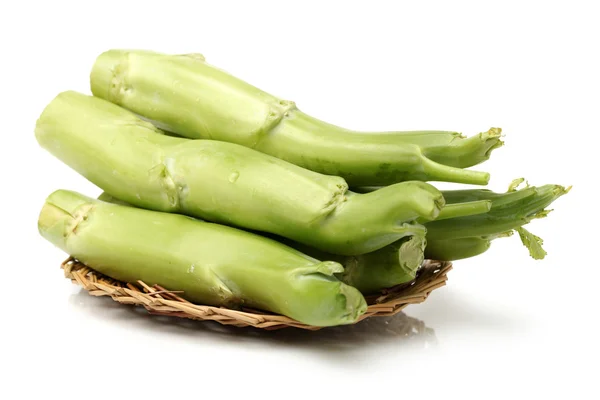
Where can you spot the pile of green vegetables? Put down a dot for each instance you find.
(235, 197)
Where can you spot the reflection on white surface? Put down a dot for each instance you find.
(400, 328)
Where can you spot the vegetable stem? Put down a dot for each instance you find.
(185, 95)
(224, 182)
(212, 264)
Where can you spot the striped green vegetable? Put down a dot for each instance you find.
(186, 95)
(212, 264)
(227, 183)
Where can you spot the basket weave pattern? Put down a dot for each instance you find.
(158, 300)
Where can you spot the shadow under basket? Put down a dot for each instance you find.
(158, 300)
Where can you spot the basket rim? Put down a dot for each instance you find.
(157, 300)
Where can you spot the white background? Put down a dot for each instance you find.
(505, 326)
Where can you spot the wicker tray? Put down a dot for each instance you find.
(157, 300)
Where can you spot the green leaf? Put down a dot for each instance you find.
(533, 243)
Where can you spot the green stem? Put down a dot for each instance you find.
(224, 182)
(212, 264)
(456, 249)
(464, 209)
(390, 266)
(463, 152)
(187, 96)
(499, 219)
(384, 268)
(499, 199)
(439, 172)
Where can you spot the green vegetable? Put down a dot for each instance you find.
(509, 211)
(227, 183)
(185, 95)
(212, 264)
(389, 266)
(457, 249)
(460, 232)
(392, 265)
(456, 210)
(396, 263)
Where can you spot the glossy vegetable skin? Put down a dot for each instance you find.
(188, 96)
(226, 183)
(212, 264)
(392, 265)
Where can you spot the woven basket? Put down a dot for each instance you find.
(157, 300)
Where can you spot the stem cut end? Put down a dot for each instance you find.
(103, 76)
(411, 255)
(61, 215)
